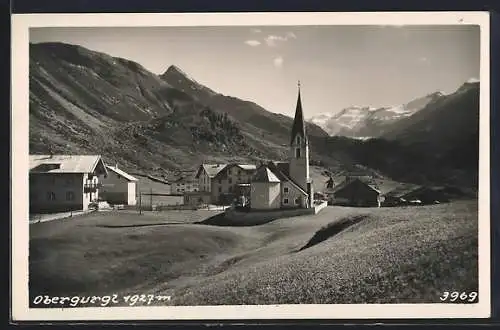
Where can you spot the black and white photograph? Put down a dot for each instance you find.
(293, 165)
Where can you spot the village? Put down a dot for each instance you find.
(81, 183)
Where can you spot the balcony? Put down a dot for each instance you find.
(91, 187)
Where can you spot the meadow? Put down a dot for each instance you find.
(341, 255)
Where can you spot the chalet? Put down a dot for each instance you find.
(227, 184)
(183, 185)
(59, 183)
(278, 185)
(354, 191)
(118, 187)
(205, 175)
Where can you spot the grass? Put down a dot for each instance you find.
(341, 255)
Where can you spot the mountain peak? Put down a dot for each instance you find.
(174, 70)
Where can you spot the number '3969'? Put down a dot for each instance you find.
(455, 296)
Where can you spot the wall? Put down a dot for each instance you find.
(115, 189)
(292, 194)
(265, 195)
(40, 184)
(299, 168)
(204, 183)
(260, 217)
(132, 192)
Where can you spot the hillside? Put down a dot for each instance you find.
(83, 101)
(88, 102)
(342, 255)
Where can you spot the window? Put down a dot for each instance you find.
(298, 139)
(220, 181)
(70, 196)
(285, 201)
(51, 196)
(285, 190)
(297, 201)
(220, 189)
(69, 180)
(230, 181)
(297, 153)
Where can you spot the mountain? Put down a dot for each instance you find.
(368, 122)
(85, 102)
(82, 101)
(437, 144)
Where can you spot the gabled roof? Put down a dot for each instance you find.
(299, 126)
(245, 167)
(121, 173)
(264, 174)
(275, 168)
(67, 164)
(348, 182)
(211, 169)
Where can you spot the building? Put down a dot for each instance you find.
(205, 175)
(118, 187)
(229, 182)
(354, 191)
(59, 183)
(414, 195)
(183, 185)
(279, 185)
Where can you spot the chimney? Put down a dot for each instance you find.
(116, 166)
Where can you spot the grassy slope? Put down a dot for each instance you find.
(392, 255)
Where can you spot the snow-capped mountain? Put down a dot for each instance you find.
(364, 121)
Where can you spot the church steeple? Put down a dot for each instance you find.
(298, 127)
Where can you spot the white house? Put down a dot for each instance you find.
(279, 185)
(59, 183)
(118, 187)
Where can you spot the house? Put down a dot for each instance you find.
(354, 191)
(183, 184)
(59, 183)
(280, 185)
(205, 175)
(226, 185)
(118, 187)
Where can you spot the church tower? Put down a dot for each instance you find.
(299, 149)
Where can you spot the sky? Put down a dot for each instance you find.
(338, 66)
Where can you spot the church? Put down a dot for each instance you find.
(284, 185)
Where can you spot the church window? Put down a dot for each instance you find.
(297, 153)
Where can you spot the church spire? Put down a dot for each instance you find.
(298, 126)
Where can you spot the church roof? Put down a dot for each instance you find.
(299, 126)
(264, 174)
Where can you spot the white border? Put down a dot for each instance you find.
(20, 227)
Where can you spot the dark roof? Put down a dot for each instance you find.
(299, 126)
(350, 181)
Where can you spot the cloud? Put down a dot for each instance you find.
(272, 40)
(255, 30)
(278, 61)
(253, 43)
